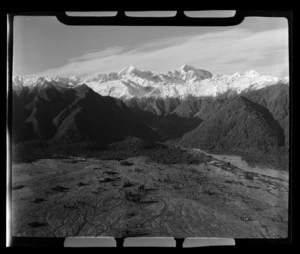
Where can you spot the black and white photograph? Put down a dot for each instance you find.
(150, 131)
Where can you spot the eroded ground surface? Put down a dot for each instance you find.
(89, 197)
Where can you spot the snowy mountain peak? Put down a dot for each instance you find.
(251, 73)
(189, 74)
(187, 68)
(131, 68)
(128, 70)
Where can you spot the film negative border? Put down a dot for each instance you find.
(179, 20)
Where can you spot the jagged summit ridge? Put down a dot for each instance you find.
(131, 82)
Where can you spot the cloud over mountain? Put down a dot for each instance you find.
(233, 50)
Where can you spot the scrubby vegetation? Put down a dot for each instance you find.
(130, 147)
(133, 147)
(30, 151)
(127, 184)
(126, 163)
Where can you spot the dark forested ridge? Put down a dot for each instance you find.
(276, 100)
(72, 115)
(239, 125)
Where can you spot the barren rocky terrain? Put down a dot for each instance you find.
(74, 196)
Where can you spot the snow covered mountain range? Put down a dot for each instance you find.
(185, 81)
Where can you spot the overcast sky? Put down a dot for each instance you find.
(44, 46)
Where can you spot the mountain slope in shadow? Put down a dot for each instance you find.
(168, 126)
(93, 117)
(276, 100)
(56, 115)
(21, 131)
(47, 103)
(240, 125)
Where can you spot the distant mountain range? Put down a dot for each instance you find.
(186, 81)
(239, 112)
